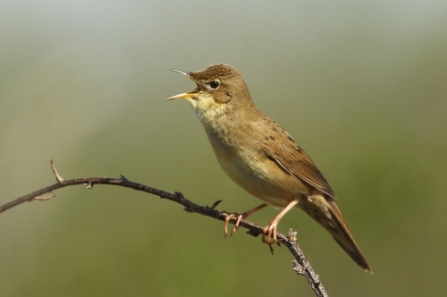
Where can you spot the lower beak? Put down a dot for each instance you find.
(188, 96)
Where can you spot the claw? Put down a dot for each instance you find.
(236, 226)
(269, 235)
(229, 217)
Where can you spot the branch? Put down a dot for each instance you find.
(301, 265)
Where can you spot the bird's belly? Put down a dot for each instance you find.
(261, 177)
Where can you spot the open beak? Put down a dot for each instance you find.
(187, 96)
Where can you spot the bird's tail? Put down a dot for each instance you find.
(332, 220)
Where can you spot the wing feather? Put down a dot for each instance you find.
(288, 155)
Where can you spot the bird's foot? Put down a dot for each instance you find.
(269, 234)
(228, 218)
(239, 218)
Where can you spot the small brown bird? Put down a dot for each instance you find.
(261, 157)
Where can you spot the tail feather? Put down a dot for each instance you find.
(325, 211)
(356, 256)
(340, 232)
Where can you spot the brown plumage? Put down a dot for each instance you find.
(261, 157)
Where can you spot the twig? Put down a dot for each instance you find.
(301, 264)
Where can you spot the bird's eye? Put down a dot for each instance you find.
(214, 84)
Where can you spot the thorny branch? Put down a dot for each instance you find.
(300, 264)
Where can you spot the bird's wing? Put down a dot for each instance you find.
(288, 155)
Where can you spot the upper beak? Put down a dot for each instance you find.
(189, 95)
(181, 72)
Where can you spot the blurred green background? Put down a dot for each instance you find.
(361, 85)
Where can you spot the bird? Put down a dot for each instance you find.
(263, 158)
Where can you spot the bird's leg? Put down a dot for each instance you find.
(239, 218)
(269, 232)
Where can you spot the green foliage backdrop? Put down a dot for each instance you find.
(361, 85)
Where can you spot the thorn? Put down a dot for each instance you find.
(298, 268)
(56, 174)
(88, 185)
(215, 204)
(122, 177)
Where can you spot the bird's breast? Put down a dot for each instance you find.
(244, 161)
